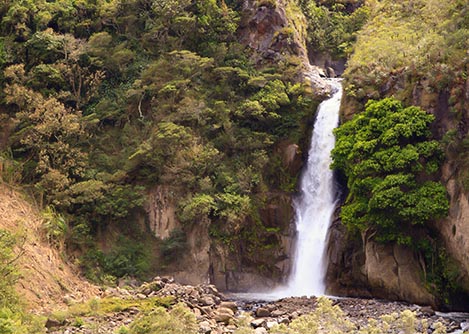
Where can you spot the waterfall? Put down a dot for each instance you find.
(316, 203)
(314, 207)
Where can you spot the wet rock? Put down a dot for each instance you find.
(427, 310)
(465, 326)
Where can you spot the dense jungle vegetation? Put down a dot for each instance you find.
(102, 100)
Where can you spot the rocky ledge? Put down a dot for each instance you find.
(220, 314)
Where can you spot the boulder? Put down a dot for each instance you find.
(260, 330)
(207, 301)
(222, 317)
(258, 322)
(262, 312)
(205, 327)
(231, 305)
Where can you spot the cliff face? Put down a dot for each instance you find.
(365, 268)
(239, 265)
(258, 259)
(408, 279)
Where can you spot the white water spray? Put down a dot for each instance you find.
(313, 208)
(316, 204)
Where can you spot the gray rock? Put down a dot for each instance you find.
(277, 313)
(465, 326)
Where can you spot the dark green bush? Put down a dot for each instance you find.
(389, 159)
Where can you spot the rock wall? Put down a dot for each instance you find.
(367, 269)
(454, 230)
(278, 33)
(274, 33)
(271, 31)
(161, 211)
(364, 268)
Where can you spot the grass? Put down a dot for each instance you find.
(109, 305)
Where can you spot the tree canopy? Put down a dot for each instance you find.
(389, 159)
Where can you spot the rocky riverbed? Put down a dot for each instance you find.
(219, 314)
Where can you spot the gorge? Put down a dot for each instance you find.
(144, 138)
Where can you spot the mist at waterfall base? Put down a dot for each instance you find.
(314, 208)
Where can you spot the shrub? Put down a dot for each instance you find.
(389, 159)
(179, 320)
(173, 246)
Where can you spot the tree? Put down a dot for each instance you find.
(389, 159)
(47, 133)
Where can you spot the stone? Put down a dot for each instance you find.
(270, 324)
(197, 312)
(51, 323)
(277, 313)
(262, 312)
(284, 321)
(393, 272)
(258, 322)
(330, 72)
(222, 317)
(205, 327)
(231, 305)
(207, 301)
(224, 310)
(427, 310)
(465, 326)
(260, 330)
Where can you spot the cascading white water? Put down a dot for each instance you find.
(314, 208)
(315, 205)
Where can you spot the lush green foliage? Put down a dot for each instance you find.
(410, 47)
(127, 257)
(102, 100)
(388, 156)
(333, 25)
